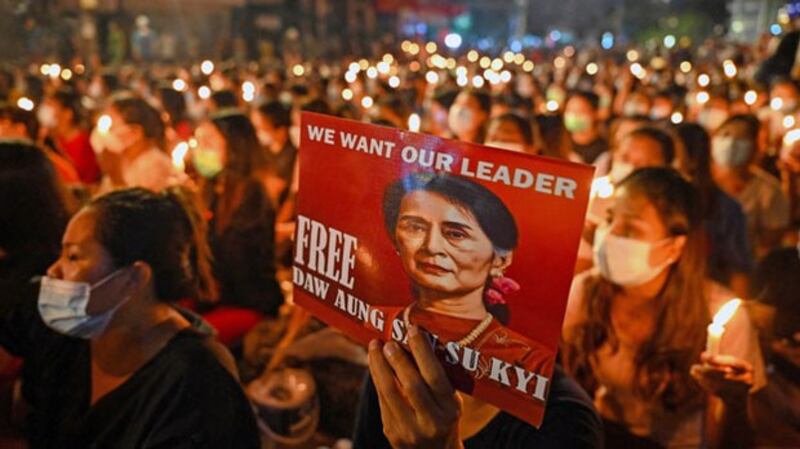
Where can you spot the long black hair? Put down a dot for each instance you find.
(492, 215)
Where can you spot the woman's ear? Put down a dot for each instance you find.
(676, 248)
(502, 261)
(141, 275)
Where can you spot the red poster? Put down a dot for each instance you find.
(476, 245)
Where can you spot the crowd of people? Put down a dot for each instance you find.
(145, 248)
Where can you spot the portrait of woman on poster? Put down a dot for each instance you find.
(456, 239)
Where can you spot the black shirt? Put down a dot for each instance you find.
(182, 398)
(589, 153)
(570, 421)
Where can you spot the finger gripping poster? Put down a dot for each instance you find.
(473, 244)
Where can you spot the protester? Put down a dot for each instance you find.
(580, 119)
(108, 360)
(636, 324)
(61, 116)
(733, 151)
(236, 189)
(131, 146)
(729, 255)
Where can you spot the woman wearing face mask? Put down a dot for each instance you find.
(637, 323)
(60, 115)
(240, 191)
(468, 115)
(510, 132)
(129, 140)
(730, 258)
(455, 238)
(733, 150)
(580, 119)
(109, 362)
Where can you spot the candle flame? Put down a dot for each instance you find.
(178, 155)
(726, 312)
(602, 187)
(104, 123)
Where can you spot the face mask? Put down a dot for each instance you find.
(620, 170)
(460, 119)
(634, 109)
(576, 123)
(510, 146)
(47, 116)
(729, 152)
(605, 102)
(207, 162)
(265, 139)
(107, 141)
(660, 113)
(624, 261)
(62, 306)
(712, 119)
(294, 136)
(95, 90)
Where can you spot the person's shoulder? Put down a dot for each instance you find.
(764, 180)
(195, 356)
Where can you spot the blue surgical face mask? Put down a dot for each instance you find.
(62, 306)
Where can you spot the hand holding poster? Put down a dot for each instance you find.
(475, 245)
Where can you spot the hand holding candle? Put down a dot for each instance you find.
(717, 327)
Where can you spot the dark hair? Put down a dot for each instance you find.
(664, 141)
(164, 230)
(663, 361)
(35, 209)
(698, 151)
(492, 215)
(776, 281)
(276, 113)
(174, 104)
(522, 125)
(552, 131)
(68, 99)
(136, 111)
(445, 97)
(589, 97)
(244, 151)
(18, 115)
(316, 105)
(224, 99)
(484, 99)
(749, 121)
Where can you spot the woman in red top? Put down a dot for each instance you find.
(60, 115)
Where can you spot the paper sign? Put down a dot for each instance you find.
(476, 245)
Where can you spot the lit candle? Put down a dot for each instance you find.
(178, 155)
(717, 327)
(414, 122)
(104, 123)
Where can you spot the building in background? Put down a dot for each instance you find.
(752, 18)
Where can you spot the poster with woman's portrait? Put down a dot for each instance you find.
(475, 245)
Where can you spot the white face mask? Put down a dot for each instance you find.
(106, 142)
(620, 170)
(727, 151)
(62, 306)
(510, 146)
(264, 138)
(624, 261)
